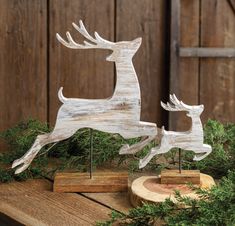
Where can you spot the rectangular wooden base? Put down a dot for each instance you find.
(100, 182)
(175, 177)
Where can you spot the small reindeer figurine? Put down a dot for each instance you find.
(189, 140)
(117, 114)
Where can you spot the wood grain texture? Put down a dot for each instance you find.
(148, 189)
(217, 80)
(33, 203)
(175, 177)
(146, 19)
(232, 5)
(188, 79)
(175, 26)
(84, 73)
(118, 201)
(192, 139)
(23, 61)
(100, 182)
(207, 52)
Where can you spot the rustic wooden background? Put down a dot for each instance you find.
(33, 65)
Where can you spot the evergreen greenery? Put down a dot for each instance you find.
(216, 207)
(74, 152)
(71, 153)
(222, 139)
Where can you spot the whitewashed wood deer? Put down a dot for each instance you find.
(117, 114)
(189, 140)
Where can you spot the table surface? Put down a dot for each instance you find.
(33, 203)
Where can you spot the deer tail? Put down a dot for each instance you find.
(61, 96)
(163, 130)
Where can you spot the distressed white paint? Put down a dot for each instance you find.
(189, 140)
(117, 114)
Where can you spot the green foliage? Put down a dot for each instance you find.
(74, 152)
(19, 139)
(216, 207)
(71, 153)
(222, 139)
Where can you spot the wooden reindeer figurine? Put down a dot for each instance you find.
(117, 114)
(189, 140)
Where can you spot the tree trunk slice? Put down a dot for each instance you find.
(149, 189)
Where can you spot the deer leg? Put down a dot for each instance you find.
(40, 141)
(160, 149)
(126, 149)
(139, 130)
(143, 162)
(204, 152)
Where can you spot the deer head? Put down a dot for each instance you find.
(177, 105)
(126, 49)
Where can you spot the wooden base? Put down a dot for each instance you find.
(149, 189)
(175, 177)
(100, 182)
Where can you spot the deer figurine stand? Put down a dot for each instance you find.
(120, 114)
(158, 188)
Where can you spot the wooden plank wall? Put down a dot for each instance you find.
(210, 81)
(33, 65)
(189, 67)
(82, 73)
(23, 61)
(146, 19)
(217, 76)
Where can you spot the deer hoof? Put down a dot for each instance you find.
(21, 168)
(142, 164)
(16, 163)
(124, 149)
(200, 157)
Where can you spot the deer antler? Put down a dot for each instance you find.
(176, 105)
(97, 42)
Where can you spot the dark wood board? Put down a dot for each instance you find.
(146, 19)
(118, 201)
(232, 4)
(217, 80)
(23, 61)
(82, 73)
(207, 52)
(34, 203)
(186, 84)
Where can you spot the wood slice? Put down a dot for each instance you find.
(100, 182)
(149, 189)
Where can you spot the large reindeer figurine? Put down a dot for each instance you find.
(189, 140)
(117, 114)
